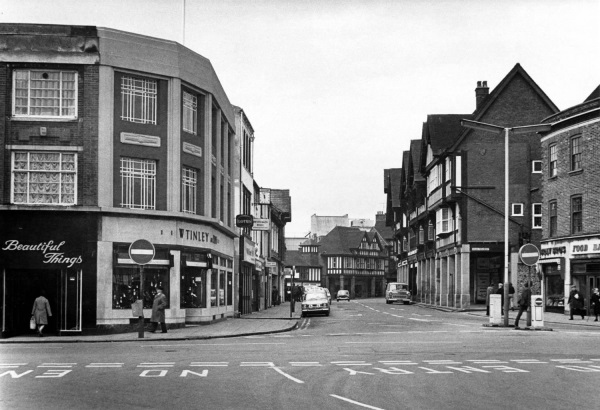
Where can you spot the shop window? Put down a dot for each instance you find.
(126, 285)
(138, 100)
(214, 287)
(576, 214)
(44, 178)
(138, 183)
(193, 288)
(222, 278)
(229, 288)
(45, 94)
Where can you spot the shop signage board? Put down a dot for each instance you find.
(529, 254)
(141, 251)
(261, 224)
(244, 221)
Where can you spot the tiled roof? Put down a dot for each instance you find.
(595, 94)
(442, 130)
(341, 239)
(297, 258)
(395, 182)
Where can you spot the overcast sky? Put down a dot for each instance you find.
(335, 90)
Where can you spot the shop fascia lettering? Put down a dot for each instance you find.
(50, 250)
(198, 236)
(585, 247)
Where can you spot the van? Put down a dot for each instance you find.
(397, 292)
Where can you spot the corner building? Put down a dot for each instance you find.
(108, 137)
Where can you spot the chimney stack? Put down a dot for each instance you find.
(481, 92)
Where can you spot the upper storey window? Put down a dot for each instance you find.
(41, 178)
(576, 153)
(45, 94)
(138, 100)
(190, 113)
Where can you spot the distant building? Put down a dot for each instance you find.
(322, 225)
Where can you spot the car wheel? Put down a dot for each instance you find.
(407, 303)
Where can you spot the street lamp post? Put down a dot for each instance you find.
(496, 129)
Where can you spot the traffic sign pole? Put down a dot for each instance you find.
(529, 255)
(141, 252)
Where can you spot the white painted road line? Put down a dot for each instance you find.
(165, 364)
(258, 364)
(105, 365)
(356, 402)
(306, 364)
(292, 378)
(54, 365)
(352, 363)
(209, 364)
(11, 365)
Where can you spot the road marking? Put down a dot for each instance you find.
(352, 363)
(105, 365)
(486, 361)
(355, 402)
(420, 320)
(441, 362)
(527, 361)
(307, 364)
(209, 364)
(54, 365)
(258, 364)
(292, 378)
(164, 364)
(11, 365)
(397, 362)
(416, 341)
(215, 344)
(577, 361)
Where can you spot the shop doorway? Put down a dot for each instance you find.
(23, 286)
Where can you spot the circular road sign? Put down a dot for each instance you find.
(538, 301)
(141, 251)
(529, 254)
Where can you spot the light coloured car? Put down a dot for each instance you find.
(315, 302)
(397, 292)
(343, 295)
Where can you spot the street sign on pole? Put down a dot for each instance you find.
(529, 254)
(141, 251)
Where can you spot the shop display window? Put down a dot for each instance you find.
(214, 283)
(555, 287)
(193, 288)
(126, 285)
(229, 288)
(222, 288)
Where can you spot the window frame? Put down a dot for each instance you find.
(147, 92)
(132, 177)
(189, 190)
(576, 211)
(29, 171)
(552, 218)
(60, 90)
(536, 216)
(575, 153)
(514, 208)
(552, 160)
(441, 220)
(189, 112)
(536, 166)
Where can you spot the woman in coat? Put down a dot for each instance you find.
(158, 310)
(41, 311)
(576, 302)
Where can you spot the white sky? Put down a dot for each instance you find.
(335, 90)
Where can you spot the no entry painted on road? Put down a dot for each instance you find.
(529, 254)
(141, 251)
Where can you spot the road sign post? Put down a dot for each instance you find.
(141, 252)
(529, 255)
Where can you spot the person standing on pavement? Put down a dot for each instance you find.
(158, 310)
(41, 311)
(489, 291)
(595, 303)
(523, 302)
(575, 303)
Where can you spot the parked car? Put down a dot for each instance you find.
(315, 302)
(343, 295)
(397, 292)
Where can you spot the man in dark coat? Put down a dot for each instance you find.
(575, 302)
(158, 311)
(595, 303)
(524, 302)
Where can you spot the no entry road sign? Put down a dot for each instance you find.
(141, 251)
(529, 254)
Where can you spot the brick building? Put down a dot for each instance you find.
(570, 221)
(450, 228)
(109, 137)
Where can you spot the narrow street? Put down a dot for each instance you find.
(366, 354)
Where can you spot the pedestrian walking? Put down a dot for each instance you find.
(274, 296)
(595, 303)
(575, 303)
(489, 291)
(523, 302)
(158, 310)
(40, 312)
(511, 295)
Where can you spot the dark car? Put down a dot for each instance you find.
(343, 295)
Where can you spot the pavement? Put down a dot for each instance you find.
(275, 319)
